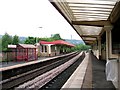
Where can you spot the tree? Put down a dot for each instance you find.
(6, 39)
(56, 37)
(30, 40)
(80, 47)
(52, 38)
(15, 40)
(45, 39)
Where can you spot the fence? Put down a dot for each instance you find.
(9, 56)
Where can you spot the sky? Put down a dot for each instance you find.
(37, 18)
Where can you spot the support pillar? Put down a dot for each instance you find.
(55, 50)
(35, 54)
(99, 47)
(49, 50)
(108, 42)
(95, 50)
(118, 72)
(63, 50)
(27, 54)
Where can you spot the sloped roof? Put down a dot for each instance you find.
(63, 43)
(57, 42)
(12, 46)
(27, 45)
(45, 42)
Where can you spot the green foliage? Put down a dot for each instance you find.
(80, 47)
(15, 40)
(6, 39)
(30, 40)
(56, 37)
(33, 40)
(45, 39)
(22, 41)
(52, 38)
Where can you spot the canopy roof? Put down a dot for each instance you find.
(57, 42)
(87, 17)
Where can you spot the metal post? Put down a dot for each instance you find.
(118, 72)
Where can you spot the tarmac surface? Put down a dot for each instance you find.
(94, 77)
(99, 76)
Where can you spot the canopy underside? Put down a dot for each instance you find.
(87, 17)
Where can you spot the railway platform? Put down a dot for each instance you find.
(11, 63)
(90, 74)
(17, 63)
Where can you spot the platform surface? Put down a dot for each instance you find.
(90, 74)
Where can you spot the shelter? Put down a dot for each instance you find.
(53, 48)
(24, 51)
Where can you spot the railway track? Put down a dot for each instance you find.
(23, 68)
(39, 76)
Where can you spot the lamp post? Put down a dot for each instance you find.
(39, 27)
(36, 37)
(38, 46)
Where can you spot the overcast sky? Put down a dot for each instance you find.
(24, 17)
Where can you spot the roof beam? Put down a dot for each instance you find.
(89, 40)
(99, 23)
(115, 14)
(90, 3)
(92, 6)
(91, 36)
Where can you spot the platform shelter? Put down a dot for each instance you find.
(53, 48)
(25, 52)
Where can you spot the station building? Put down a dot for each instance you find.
(53, 48)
